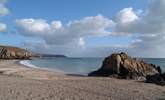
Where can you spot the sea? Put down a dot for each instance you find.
(81, 66)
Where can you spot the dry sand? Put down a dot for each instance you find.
(18, 82)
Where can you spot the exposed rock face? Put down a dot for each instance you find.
(7, 52)
(121, 65)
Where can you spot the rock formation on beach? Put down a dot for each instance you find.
(157, 79)
(8, 52)
(120, 65)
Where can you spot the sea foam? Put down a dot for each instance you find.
(28, 64)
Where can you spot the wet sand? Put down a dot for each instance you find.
(18, 82)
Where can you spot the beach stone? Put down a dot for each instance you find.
(125, 67)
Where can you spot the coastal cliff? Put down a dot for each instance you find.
(120, 65)
(8, 52)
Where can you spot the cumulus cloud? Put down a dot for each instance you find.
(2, 27)
(56, 24)
(3, 11)
(124, 20)
(33, 27)
(151, 21)
(81, 41)
(151, 29)
(72, 33)
(147, 27)
(126, 15)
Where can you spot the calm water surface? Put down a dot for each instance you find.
(82, 65)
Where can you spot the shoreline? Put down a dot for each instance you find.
(25, 71)
(25, 63)
(18, 82)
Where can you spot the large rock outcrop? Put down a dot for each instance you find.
(120, 65)
(7, 52)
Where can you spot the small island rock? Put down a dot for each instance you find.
(122, 66)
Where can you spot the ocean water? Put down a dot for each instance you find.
(80, 65)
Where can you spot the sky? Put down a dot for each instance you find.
(85, 28)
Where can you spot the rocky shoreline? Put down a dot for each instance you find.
(117, 65)
(122, 66)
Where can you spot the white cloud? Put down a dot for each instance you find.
(33, 27)
(2, 27)
(70, 34)
(56, 24)
(3, 9)
(125, 16)
(125, 20)
(148, 25)
(151, 21)
(81, 41)
(95, 25)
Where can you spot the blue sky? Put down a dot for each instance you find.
(64, 10)
(117, 18)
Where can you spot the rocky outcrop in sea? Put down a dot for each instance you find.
(120, 65)
(7, 52)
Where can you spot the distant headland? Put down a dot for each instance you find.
(11, 52)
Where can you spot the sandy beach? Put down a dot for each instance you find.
(18, 82)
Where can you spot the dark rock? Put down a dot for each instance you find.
(125, 67)
(157, 79)
(159, 69)
(163, 75)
